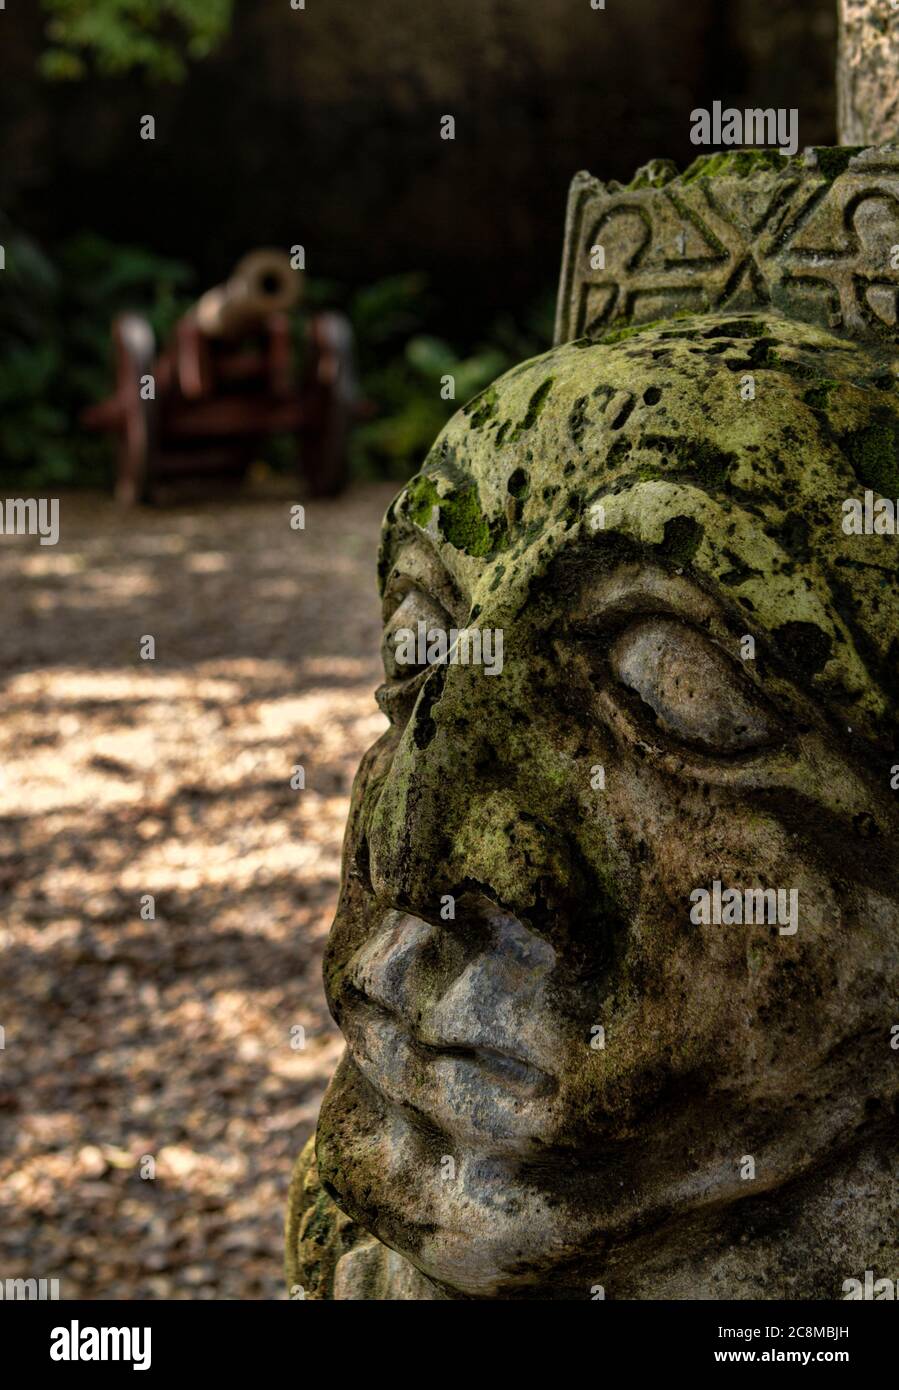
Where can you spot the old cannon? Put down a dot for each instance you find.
(228, 379)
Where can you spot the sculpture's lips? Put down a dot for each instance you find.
(442, 1079)
(457, 1033)
(505, 1068)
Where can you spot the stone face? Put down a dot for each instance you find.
(569, 1081)
(868, 72)
(813, 237)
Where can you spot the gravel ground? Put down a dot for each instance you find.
(136, 1047)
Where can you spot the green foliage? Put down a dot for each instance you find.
(404, 370)
(156, 37)
(55, 348)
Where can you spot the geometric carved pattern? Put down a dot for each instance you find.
(813, 239)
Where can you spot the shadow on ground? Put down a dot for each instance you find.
(171, 1039)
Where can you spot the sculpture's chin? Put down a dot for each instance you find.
(469, 1224)
(482, 1225)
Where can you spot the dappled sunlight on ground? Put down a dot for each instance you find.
(119, 778)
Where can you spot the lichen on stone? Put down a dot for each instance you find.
(754, 474)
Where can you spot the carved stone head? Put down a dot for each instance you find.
(617, 950)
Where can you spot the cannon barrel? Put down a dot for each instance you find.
(263, 283)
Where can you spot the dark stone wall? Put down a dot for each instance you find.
(322, 127)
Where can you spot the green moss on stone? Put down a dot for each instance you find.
(423, 498)
(628, 329)
(517, 486)
(834, 159)
(460, 517)
(765, 483)
(682, 538)
(535, 408)
(482, 408)
(805, 644)
(707, 464)
(741, 328)
(733, 163)
(618, 335)
(463, 523)
(874, 455)
(655, 174)
(577, 420)
(818, 396)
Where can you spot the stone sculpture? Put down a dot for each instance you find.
(617, 949)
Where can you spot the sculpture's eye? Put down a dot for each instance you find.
(405, 643)
(694, 691)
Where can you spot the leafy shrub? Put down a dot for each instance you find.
(404, 366)
(55, 348)
(120, 36)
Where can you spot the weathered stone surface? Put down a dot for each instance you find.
(598, 498)
(868, 72)
(331, 1257)
(812, 237)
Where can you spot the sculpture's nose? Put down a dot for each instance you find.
(452, 814)
(482, 989)
(403, 838)
(407, 959)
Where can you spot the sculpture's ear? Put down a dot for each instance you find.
(808, 236)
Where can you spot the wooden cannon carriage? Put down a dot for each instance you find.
(226, 380)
